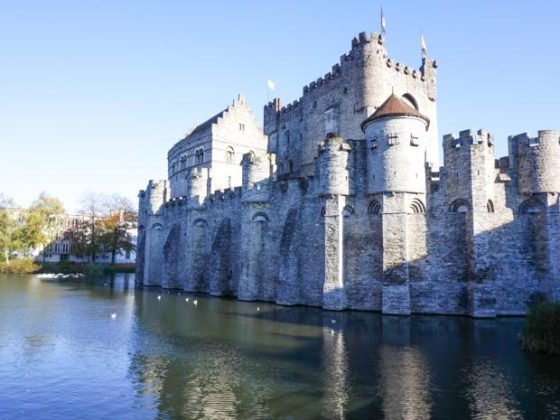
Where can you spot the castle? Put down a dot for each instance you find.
(339, 202)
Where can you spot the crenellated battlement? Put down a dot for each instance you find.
(333, 144)
(225, 195)
(467, 139)
(404, 69)
(296, 186)
(323, 81)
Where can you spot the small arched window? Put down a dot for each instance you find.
(157, 226)
(409, 99)
(459, 206)
(374, 207)
(260, 217)
(230, 155)
(347, 211)
(490, 206)
(417, 206)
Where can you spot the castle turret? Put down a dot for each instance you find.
(470, 169)
(153, 197)
(150, 202)
(332, 166)
(536, 161)
(254, 280)
(257, 174)
(396, 137)
(470, 174)
(396, 170)
(197, 186)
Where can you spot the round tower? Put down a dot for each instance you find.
(197, 186)
(333, 166)
(256, 176)
(396, 142)
(538, 162)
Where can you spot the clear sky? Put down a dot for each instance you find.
(93, 93)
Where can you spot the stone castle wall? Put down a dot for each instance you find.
(339, 218)
(322, 241)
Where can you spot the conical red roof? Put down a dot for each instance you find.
(394, 107)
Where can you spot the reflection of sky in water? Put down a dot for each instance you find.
(488, 392)
(336, 373)
(405, 382)
(60, 351)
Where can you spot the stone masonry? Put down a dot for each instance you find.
(339, 202)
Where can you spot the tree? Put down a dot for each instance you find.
(39, 228)
(105, 226)
(119, 218)
(86, 236)
(10, 232)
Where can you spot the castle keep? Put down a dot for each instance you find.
(339, 202)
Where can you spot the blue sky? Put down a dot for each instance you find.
(93, 93)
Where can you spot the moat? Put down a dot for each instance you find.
(109, 350)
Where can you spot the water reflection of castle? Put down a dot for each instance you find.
(363, 366)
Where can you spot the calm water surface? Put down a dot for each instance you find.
(62, 355)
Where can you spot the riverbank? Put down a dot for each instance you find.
(29, 266)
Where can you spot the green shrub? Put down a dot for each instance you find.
(19, 266)
(542, 329)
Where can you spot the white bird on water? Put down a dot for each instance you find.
(186, 299)
(258, 308)
(333, 321)
(113, 316)
(195, 302)
(159, 297)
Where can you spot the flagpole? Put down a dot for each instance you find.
(381, 20)
(383, 24)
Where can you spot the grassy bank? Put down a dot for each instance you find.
(542, 329)
(28, 266)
